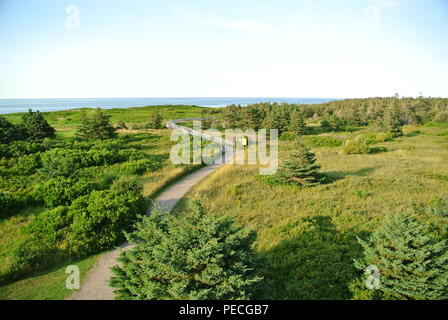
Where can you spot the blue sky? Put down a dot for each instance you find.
(227, 48)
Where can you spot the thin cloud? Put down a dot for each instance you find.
(210, 20)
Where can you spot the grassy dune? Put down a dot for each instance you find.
(308, 236)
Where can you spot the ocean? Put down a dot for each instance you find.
(43, 105)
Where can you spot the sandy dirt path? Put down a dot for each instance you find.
(96, 286)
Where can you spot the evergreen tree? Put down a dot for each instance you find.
(301, 169)
(96, 126)
(9, 132)
(195, 256)
(298, 124)
(35, 126)
(156, 120)
(412, 264)
(333, 122)
(392, 121)
(232, 116)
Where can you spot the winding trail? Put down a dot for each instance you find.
(96, 286)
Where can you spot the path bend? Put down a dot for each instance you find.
(96, 286)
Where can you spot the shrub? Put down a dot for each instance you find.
(194, 256)
(288, 136)
(41, 245)
(9, 132)
(384, 137)
(138, 167)
(322, 141)
(62, 191)
(28, 164)
(7, 204)
(333, 122)
(96, 126)
(357, 145)
(412, 264)
(92, 223)
(35, 126)
(101, 218)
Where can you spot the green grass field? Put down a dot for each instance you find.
(307, 236)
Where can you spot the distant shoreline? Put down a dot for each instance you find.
(47, 105)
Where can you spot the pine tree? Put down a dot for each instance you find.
(392, 121)
(155, 120)
(195, 256)
(9, 132)
(301, 169)
(412, 264)
(298, 124)
(96, 126)
(35, 126)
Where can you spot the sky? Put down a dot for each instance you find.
(226, 48)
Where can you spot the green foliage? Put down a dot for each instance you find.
(301, 169)
(195, 256)
(9, 132)
(62, 190)
(357, 145)
(8, 204)
(90, 224)
(392, 121)
(298, 124)
(439, 207)
(155, 120)
(35, 126)
(138, 167)
(333, 123)
(288, 136)
(322, 141)
(413, 265)
(96, 126)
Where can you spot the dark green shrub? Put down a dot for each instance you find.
(9, 132)
(155, 120)
(195, 256)
(101, 218)
(35, 126)
(439, 207)
(333, 123)
(7, 204)
(138, 167)
(412, 264)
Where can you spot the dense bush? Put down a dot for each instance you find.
(194, 256)
(92, 223)
(7, 204)
(333, 122)
(35, 126)
(357, 145)
(100, 218)
(288, 136)
(138, 167)
(439, 207)
(155, 120)
(62, 190)
(412, 264)
(384, 136)
(9, 132)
